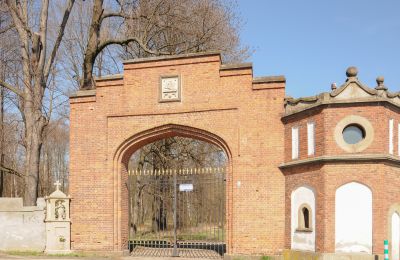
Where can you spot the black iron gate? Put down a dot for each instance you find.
(177, 212)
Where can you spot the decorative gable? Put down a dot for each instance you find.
(352, 91)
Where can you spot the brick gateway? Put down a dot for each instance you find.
(290, 161)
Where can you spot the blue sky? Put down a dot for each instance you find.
(312, 42)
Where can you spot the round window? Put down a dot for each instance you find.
(353, 134)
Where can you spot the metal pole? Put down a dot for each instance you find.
(175, 250)
(386, 249)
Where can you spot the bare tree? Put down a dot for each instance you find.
(37, 61)
(54, 165)
(161, 27)
(75, 43)
(148, 192)
(176, 27)
(104, 30)
(8, 62)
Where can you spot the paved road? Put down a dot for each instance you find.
(14, 257)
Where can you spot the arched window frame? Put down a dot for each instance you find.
(301, 227)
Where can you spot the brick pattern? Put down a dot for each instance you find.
(224, 107)
(219, 106)
(381, 177)
(326, 120)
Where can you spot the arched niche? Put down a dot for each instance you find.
(303, 219)
(395, 236)
(353, 218)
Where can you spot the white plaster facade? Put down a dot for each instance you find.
(395, 236)
(353, 219)
(302, 240)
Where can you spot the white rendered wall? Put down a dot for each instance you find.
(353, 218)
(310, 138)
(22, 228)
(302, 240)
(391, 123)
(295, 142)
(395, 236)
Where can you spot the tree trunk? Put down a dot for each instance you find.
(92, 48)
(34, 126)
(1, 141)
(87, 72)
(32, 167)
(2, 135)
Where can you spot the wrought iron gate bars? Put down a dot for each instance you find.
(188, 245)
(183, 171)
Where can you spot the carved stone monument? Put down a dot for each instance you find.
(58, 224)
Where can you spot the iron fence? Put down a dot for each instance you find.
(177, 212)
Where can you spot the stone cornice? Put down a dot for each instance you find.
(351, 92)
(343, 158)
(269, 79)
(109, 77)
(172, 57)
(355, 102)
(83, 93)
(236, 66)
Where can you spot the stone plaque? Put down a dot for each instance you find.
(170, 89)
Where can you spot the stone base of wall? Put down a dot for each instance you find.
(301, 255)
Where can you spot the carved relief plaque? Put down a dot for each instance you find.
(170, 89)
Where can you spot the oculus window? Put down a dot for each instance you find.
(353, 134)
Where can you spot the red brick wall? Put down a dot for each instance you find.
(218, 106)
(301, 121)
(381, 177)
(326, 121)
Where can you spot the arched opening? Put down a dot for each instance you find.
(303, 219)
(304, 216)
(395, 236)
(353, 218)
(175, 183)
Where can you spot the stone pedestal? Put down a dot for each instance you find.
(58, 224)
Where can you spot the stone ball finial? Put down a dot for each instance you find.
(380, 80)
(351, 72)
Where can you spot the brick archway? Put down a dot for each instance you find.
(218, 103)
(134, 143)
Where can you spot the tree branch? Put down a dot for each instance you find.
(121, 15)
(60, 35)
(112, 14)
(10, 171)
(17, 16)
(127, 41)
(12, 88)
(7, 28)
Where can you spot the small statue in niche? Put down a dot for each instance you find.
(60, 210)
